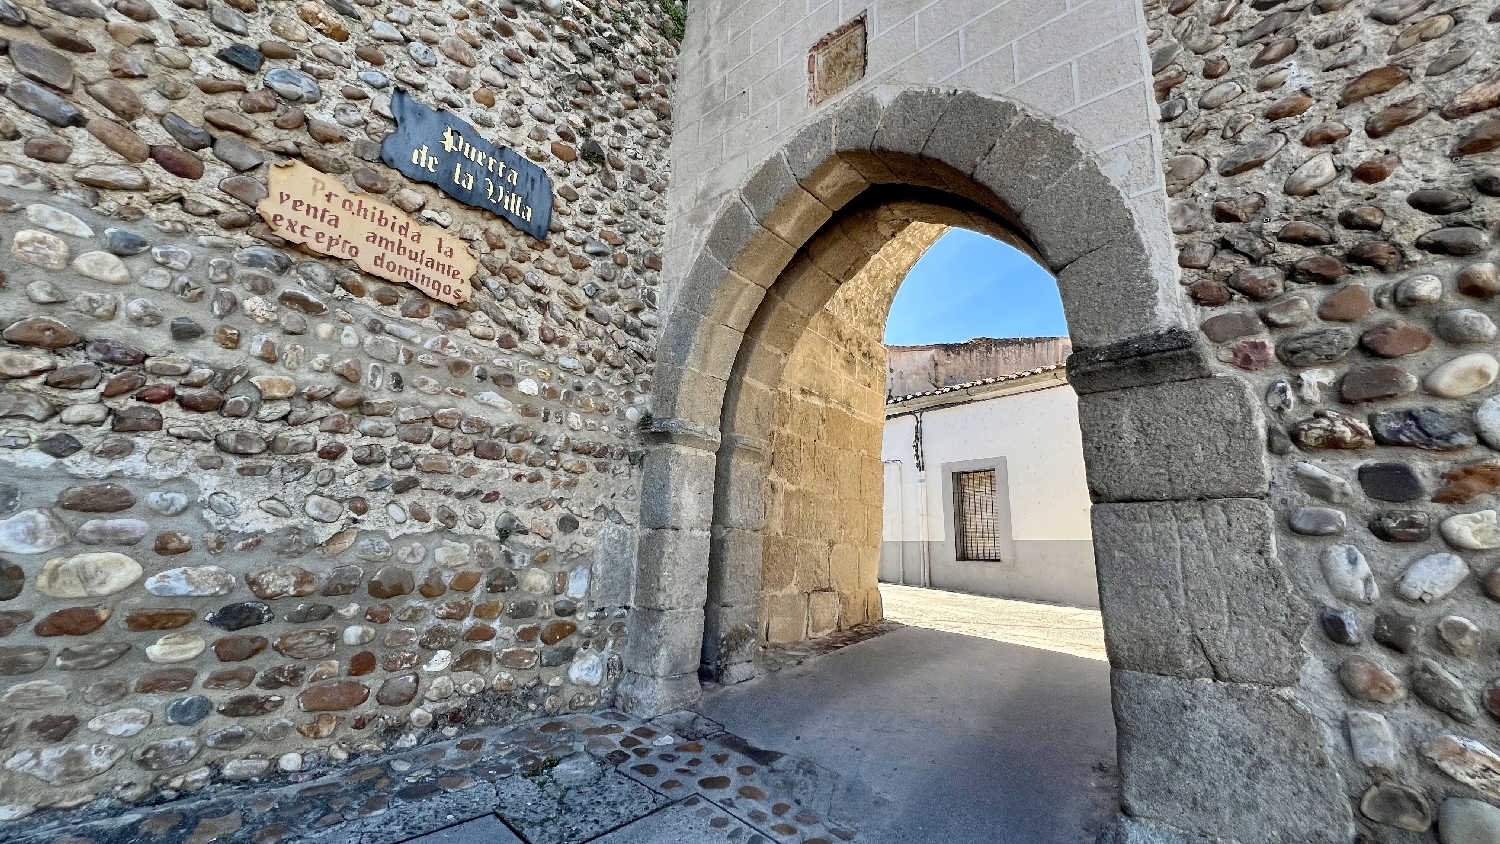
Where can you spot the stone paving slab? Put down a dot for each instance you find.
(693, 821)
(487, 829)
(577, 801)
(974, 741)
(405, 817)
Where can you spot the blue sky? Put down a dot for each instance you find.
(969, 285)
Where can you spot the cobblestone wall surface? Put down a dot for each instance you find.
(260, 512)
(1331, 173)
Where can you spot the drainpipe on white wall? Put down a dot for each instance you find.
(922, 534)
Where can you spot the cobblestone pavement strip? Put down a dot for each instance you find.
(551, 781)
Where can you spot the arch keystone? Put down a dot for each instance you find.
(968, 130)
(1026, 160)
(910, 119)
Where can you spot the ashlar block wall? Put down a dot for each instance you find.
(743, 89)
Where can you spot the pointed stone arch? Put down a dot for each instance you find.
(950, 157)
(1199, 615)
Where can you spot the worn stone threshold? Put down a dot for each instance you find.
(560, 780)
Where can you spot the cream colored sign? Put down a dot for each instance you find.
(306, 206)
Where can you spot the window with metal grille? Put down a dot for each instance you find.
(975, 526)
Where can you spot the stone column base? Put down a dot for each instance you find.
(647, 697)
(728, 674)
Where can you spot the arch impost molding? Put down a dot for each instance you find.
(677, 431)
(1147, 360)
(746, 447)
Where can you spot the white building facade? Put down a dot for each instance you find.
(985, 490)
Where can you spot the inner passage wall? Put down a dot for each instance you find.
(824, 483)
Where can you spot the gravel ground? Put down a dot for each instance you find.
(1068, 630)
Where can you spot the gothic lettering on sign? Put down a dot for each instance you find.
(305, 206)
(439, 148)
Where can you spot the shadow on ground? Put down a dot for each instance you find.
(970, 739)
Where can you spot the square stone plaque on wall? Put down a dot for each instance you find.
(837, 61)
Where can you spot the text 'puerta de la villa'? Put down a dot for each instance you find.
(308, 207)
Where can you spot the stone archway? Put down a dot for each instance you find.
(789, 559)
(1200, 618)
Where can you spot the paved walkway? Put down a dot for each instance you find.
(969, 737)
(904, 734)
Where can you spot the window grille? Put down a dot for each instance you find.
(976, 528)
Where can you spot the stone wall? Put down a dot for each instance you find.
(824, 484)
(260, 512)
(1331, 172)
(918, 369)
